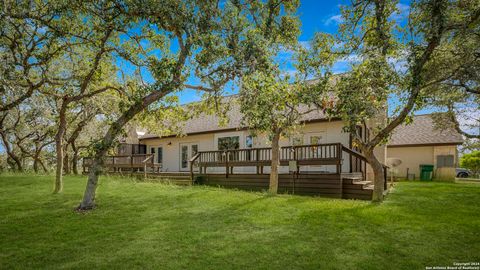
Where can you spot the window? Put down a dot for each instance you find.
(445, 161)
(249, 144)
(122, 149)
(229, 143)
(249, 141)
(315, 139)
(297, 141)
(138, 149)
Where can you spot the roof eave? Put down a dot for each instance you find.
(423, 144)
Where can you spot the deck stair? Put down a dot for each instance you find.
(355, 187)
(177, 178)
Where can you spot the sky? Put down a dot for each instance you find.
(316, 16)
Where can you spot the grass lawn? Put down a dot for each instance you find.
(150, 225)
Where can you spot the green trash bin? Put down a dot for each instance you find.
(426, 172)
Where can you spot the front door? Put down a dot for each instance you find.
(187, 151)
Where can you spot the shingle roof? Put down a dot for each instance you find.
(211, 122)
(422, 131)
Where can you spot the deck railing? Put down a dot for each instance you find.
(254, 155)
(317, 154)
(125, 161)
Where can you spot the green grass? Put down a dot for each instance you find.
(150, 225)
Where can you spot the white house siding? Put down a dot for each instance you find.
(331, 132)
(171, 148)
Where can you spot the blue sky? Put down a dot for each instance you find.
(316, 16)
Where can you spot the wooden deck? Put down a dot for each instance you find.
(135, 162)
(335, 183)
(328, 185)
(346, 185)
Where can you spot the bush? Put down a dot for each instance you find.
(199, 180)
(471, 161)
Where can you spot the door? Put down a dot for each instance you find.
(187, 151)
(157, 152)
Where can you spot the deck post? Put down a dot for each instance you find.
(385, 184)
(191, 171)
(226, 163)
(257, 153)
(295, 158)
(339, 157)
(145, 170)
(131, 162)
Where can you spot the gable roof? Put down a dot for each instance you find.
(422, 132)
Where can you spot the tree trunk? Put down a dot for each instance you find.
(18, 163)
(13, 157)
(58, 187)
(35, 163)
(62, 126)
(11, 162)
(73, 138)
(43, 165)
(96, 168)
(75, 160)
(273, 187)
(88, 201)
(66, 160)
(378, 176)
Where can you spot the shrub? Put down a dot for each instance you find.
(471, 161)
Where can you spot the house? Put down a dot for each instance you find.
(420, 143)
(319, 160)
(324, 159)
(205, 133)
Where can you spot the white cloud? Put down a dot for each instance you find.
(335, 19)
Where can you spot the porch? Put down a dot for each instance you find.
(313, 169)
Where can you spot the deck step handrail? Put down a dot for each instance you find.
(148, 158)
(354, 153)
(363, 158)
(192, 162)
